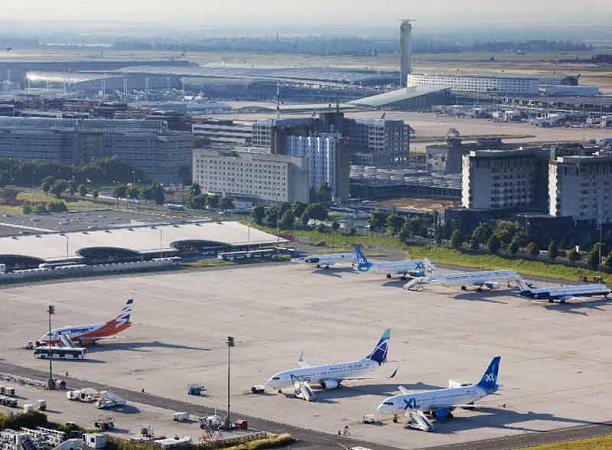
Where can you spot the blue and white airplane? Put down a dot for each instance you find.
(330, 376)
(325, 260)
(564, 293)
(440, 403)
(404, 268)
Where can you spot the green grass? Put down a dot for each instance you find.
(598, 443)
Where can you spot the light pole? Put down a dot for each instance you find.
(230, 344)
(67, 241)
(161, 243)
(50, 382)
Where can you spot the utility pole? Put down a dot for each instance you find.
(230, 344)
(50, 382)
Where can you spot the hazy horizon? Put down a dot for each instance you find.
(352, 15)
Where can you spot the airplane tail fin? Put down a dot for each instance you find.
(362, 260)
(489, 379)
(379, 354)
(124, 316)
(429, 267)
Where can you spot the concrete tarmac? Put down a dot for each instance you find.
(554, 367)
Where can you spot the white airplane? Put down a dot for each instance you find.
(564, 293)
(330, 376)
(440, 403)
(488, 278)
(327, 260)
(89, 334)
(413, 268)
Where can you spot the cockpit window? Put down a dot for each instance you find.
(388, 403)
(276, 378)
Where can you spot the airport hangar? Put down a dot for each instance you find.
(131, 243)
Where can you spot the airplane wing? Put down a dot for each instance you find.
(301, 361)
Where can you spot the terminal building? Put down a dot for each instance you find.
(146, 144)
(502, 84)
(250, 173)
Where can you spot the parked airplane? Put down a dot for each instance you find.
(440, 403)
(330, 376)
(89, 334)
(326, 260)
(488, 278)
(414, 268)
(564, 293)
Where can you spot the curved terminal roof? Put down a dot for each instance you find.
(140, 239)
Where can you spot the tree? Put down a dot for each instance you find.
(473, 245)
(494, 244)
(272, 216)
(321, 228)
(532, 249)
(456, 239)
(258, 214)
(184, 174)
(120, 191)
(505, 231)
(317, 212)
(27, 209)
(394, 223)
(574, 256)
(47, 182)
(553, 250)
(197, 202)
(482, 233)
(324, 193)
(58, 206)
(195, 190)
(593, 258)
(226, 202)
(287, 219)
(40, 209)
(514, 245)
(608, 263)
(82, 190)
(58, 188)
(299, 207)
(95, 193)
(377, 220)
(212, 201)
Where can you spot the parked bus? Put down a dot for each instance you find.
(43, 352)
(233, 256)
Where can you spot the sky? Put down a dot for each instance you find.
(312, 13)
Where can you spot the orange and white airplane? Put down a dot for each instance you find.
(89, 334)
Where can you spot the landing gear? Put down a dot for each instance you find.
(388, 276)
(464, 288)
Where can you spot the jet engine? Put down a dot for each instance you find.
(330, 384)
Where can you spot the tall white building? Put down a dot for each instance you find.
(224, 132)
(581, 187)
(244, 173)
(496, 179)
(327, 159)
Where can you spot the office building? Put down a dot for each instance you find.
(271, 134)
(221, 132)
(251, 173)
(498, 179)
(147, 144)
(378, 142)
(327, 158)
(581, 187)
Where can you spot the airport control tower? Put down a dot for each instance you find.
(405, 50)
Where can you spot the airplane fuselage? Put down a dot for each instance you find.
(432, 400)
(320, 374)
(561, 292)
(86, 333)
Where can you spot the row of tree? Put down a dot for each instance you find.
(97, 172)
(402, 227)
(509, 237)
(285, 215)
(153, 191)
(198, 200)
(50, 207)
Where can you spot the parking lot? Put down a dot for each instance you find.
(555, 363)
